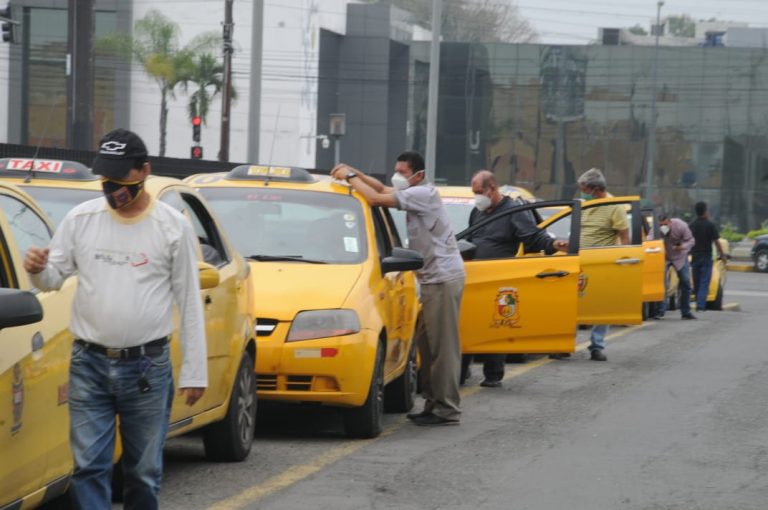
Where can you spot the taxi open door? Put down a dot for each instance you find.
(611, 279)
(522, 304)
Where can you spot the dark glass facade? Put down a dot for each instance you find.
(538, 116)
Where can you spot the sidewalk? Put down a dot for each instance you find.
(741, 257)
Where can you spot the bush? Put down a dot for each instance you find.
(754, 233)
(729, 234)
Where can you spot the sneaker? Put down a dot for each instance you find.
(490, 384)
(688, 317)
(560, 355)
(658, 317)
(413, 416)
(433, 419)
(598, 355)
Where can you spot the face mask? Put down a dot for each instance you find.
(400, 183)
(664, 229)
(587, 196)
(121, 193)
(482, 202)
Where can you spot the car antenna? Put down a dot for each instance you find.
(31, 173)
(272, 148)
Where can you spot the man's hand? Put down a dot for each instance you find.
(36, 260)
(193, 394)
(560, 245)
(678, 248)
(341, 170)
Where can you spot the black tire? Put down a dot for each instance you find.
(761, 261)
(517, 358)
(230, 439)
(646, 311)
(118, 482)
(366, 421)
(466, 368)
(673, 301)
(717, 303)
(400, 393)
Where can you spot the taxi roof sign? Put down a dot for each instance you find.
(269, 173)
(40, 168)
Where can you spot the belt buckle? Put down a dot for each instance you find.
(114, 353)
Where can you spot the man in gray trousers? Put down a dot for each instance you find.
(441, 279)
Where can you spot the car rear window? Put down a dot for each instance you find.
(270, 222)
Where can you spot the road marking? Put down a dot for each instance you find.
(747, 293)
(297, 473)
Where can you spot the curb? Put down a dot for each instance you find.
(741, 268)
(732, 307)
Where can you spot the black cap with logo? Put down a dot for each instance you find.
(119, 152)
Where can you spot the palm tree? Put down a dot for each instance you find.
(155, 44)
(208, 75)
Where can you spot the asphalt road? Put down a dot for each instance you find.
(676, 419)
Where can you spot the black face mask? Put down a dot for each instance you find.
(121, 193)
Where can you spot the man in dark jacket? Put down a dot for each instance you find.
(705, 234)
(501, 239)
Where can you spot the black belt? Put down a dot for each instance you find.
(153, 348)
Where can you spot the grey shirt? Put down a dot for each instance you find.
(430, 233)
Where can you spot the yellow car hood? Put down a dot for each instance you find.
(282, 289)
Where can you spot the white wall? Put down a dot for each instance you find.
(289, 76)
(5, 82)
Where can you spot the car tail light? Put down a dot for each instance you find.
(314, 324)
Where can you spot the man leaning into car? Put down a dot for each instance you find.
(441, 279)
(134, 256)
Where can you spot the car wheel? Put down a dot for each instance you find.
(672, 303)
(761, 261)
(118, 482)
(717, 304)
(230, 439)
(400, 393)
(367, 421)
(521, 358)
(466, 369)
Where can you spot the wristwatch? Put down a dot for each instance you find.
(349, 176)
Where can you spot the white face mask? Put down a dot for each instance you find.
(400, 183)
(482, 202)
(664, 229)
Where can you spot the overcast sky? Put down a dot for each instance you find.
(577, 21)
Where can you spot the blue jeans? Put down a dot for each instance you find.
(684, 284)
(702, 274)
(597, 337)
(100, 389)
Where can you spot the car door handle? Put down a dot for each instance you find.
(627, 262)
(552, 274)
(653, 250)
(208, 300)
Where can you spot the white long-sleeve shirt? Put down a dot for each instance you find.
(130, 272)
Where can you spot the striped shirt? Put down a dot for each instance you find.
(600, 225)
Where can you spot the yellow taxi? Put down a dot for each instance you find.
(34, 364)
(334, 295)
(716, 283)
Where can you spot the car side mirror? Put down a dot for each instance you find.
(19, 307)
(467, 249)
(209, 275)
(402, 259)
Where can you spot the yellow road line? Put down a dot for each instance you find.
(299, 472)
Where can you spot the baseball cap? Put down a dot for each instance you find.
(118, 152)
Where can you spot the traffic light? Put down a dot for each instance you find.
(196, 152)
(9, 29)
(196, 128)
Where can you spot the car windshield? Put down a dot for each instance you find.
(269, 224)
(57, 202)
(458, 210)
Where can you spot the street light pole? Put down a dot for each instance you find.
(433, 89)
(651, 153)
(226, 93)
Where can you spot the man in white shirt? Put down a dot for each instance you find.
(134, 257)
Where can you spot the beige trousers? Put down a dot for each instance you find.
(440, 348)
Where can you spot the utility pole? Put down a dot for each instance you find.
(226, 94)
(651, 146)
(80, 73)
(433, 88)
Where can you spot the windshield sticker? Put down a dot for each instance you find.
(506, 311)
(350, 244)
(350, 224)
(349, 217)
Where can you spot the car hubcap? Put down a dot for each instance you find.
(245, 401)
(762, 261)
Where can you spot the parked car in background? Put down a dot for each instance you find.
(760, 253)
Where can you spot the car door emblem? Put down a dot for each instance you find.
(507, 308)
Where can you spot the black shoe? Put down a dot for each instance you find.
(413, 416)
(433, 419)
(688, 317)
(490, 384)
(598, 355)
(658, 317)
(560, 355)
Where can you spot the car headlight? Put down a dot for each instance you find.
(323, 324)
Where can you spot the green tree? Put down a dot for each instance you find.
(208, 76)
(637, 30)
(155, 45)
(681, 26)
